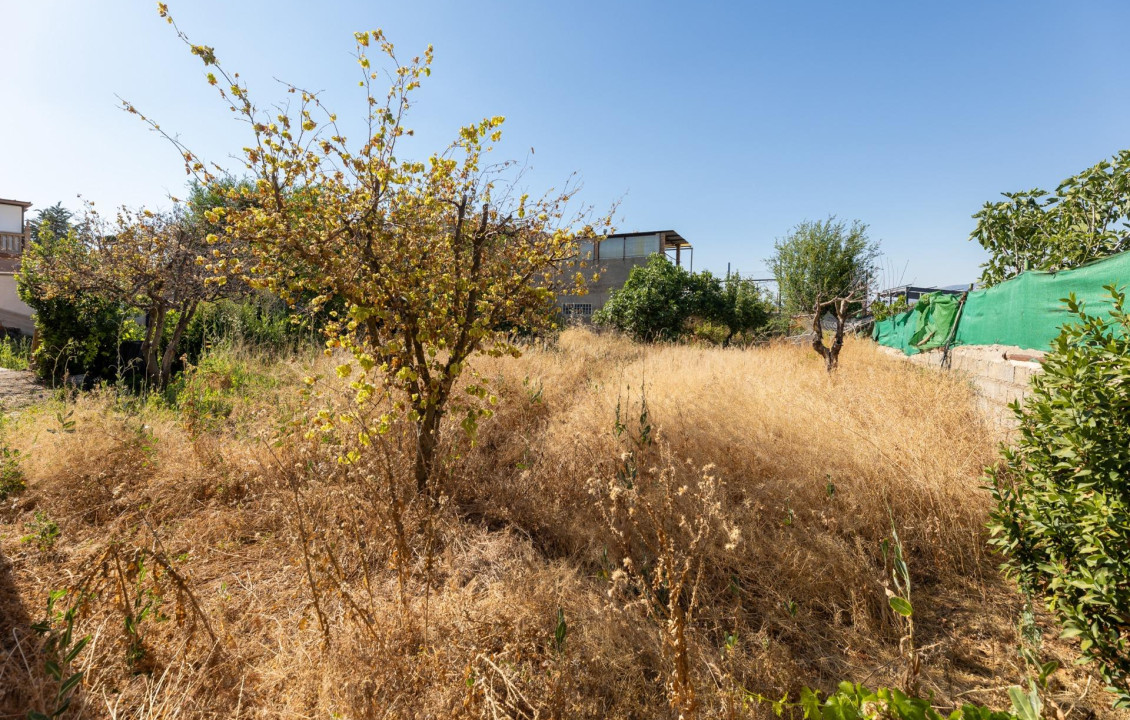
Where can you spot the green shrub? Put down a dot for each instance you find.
(663, 301)
(207, 393)
(75, 336)
(42, 531)
(259, 320)
(15, 353)
(1063, 492)
(883, 310)
(852, 701)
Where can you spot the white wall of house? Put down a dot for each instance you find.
(11, 218)
(14, 313)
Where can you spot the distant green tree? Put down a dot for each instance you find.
(1086, 218)
(56, 219)
(744, 307)
(662, 301)
(655, 303)
(821, 260)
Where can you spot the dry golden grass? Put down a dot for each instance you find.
(285, 584)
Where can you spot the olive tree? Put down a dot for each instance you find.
(430, 257)
(821, 260)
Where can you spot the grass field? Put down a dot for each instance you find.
(635, 527)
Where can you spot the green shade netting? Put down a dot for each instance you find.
(925, 326)
(1026, 311)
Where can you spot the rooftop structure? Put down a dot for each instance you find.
(614, 257)
(912, 292)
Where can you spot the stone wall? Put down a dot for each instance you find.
(999, 373)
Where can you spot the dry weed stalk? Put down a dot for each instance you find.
(667, 526)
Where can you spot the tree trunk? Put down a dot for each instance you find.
(150, 347)
(188, 309)
(831, 355)
(427, 442)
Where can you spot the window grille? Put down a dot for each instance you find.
(577, 310)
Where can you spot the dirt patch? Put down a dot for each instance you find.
(19, 388)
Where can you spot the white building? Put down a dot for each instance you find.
(14, 313)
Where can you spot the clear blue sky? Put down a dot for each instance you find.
(729, 122)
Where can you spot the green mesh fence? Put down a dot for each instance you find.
(1026, 311)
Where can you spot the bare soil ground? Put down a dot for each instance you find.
(19, 388)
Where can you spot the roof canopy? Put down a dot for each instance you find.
(671, 239)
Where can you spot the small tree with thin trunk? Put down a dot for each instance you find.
(821, 260)
(430, 257)
(839, 308)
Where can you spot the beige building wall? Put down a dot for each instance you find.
(14, 313)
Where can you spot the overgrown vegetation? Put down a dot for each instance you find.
(881, 310)
(15, 353)
(429, 258)
(78, 333)
(613, 529)
(1063, 513)
(610, 546)
(140, 263)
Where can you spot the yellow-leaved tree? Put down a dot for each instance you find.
(434, 260)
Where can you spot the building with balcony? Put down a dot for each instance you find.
(613, 258)
(14, 236)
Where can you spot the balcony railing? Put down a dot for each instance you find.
(11, 243)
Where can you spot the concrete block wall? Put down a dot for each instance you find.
(1000, 374)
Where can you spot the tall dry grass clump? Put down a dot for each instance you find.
(637, 532)
(601, 449)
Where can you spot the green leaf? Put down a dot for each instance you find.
(901, 606)
(1022, 704)
(561, 630)
(70, 656)
(70, 684)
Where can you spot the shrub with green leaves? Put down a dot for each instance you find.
(881, 310)
(853, 701)
(663, 301)
(1063, 491)
(76, 335)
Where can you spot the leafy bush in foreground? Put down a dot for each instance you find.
(1063, 512)
(853, 702)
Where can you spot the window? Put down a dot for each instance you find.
(577, 310)
(612, 248)
(640, 246)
